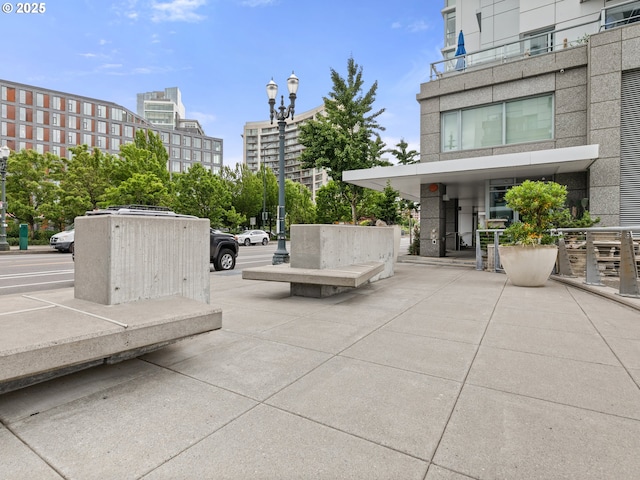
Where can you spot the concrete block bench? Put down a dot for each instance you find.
(311, 282)
(329, 259)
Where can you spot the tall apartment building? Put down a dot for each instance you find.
(51, 121)
(161, 108)
(262, 143)
(546, 90)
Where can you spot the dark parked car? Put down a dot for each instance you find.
(223, 248)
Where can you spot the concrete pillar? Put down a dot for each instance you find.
(432, 220)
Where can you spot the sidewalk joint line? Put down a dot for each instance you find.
(100, 317)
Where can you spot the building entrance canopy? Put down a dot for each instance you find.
(465, 178)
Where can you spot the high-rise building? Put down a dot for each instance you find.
(51, 121)
(527, 90)
(262, 143)
(161, 108)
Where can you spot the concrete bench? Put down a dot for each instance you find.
(140, 283)
(317, 283)
(49, 334)
(329, 259)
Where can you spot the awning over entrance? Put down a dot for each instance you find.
(465, 177)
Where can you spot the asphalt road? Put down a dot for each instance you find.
(47, 271)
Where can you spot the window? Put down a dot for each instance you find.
(164, 137)
(23, 131)
(86, 139)
(3, 129)
(175, 166)
(115, 144)
(207, 144)
(217, 146)
(55, 135)
(450, 38)
(55, 119)
(102, 111)
(175, 139)
(197, 156)
(186, 154)
(86, 125)
(23, 96)
(197, 142)
(71, 138)
(128, 131)
(206, 157)
(55, 103)
(186, 141)
(39, 148)
(55, 150)
(175, 152)
(216, 158)
(72, 106)
(39, 100)
(22, 114)
(506, 123)
(115, 129)
(88, 108)
(39, 116)
(538, 42)
(73, 122)
(116, 114)
(101, 142)
(40, 134)
(3, 111)
(102, 127)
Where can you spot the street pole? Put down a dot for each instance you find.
(4, 156)
(282, 113)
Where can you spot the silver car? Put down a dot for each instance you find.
(253, 237)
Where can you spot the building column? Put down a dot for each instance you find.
(432, 220)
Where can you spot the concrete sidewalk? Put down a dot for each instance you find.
(439, 372)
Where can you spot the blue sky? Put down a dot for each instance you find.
(222, 53)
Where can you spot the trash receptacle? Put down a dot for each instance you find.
(24, 236)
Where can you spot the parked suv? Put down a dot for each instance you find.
(223, 248)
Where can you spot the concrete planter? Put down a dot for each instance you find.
(528, 266)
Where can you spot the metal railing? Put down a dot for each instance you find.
(600, 252)
(603, 256)
(610, 17)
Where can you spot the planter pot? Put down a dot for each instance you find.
(528, 266)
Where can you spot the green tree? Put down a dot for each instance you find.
(246, 189)
(85, 180)
(331, 206)
(139, 189)
(31, 187)
(403, 156)
(201, 193)
(346, 136)
(389, 205)
(299, 206)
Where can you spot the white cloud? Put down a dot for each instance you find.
(203, 118)
(418, 26)
(177, 11)
(88, 55)
(111, 65)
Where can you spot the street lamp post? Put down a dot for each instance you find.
(282, 113)
(4, 156)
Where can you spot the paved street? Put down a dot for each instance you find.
(439, 372)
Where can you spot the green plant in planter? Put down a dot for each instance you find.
(538, 204)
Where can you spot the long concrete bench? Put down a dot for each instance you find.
(140, 283)
(318, 283)
(49, 334)
(329, 259)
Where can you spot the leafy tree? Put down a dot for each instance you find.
(247, 189)
(299, 206)
(403, 156)
(369, 204)
(139, 189)
(388, 206)
(85, 181)
(31, 188)
(203, 194)
(346, 136)
(331, 206)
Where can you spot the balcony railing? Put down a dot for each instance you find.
(546, 42)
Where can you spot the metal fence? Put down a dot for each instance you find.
(601, 255)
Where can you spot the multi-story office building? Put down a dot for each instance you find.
(544, 90)
(50, 121)
(262, 143)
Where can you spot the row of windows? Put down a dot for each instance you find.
(505, 123)
(90, 109)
